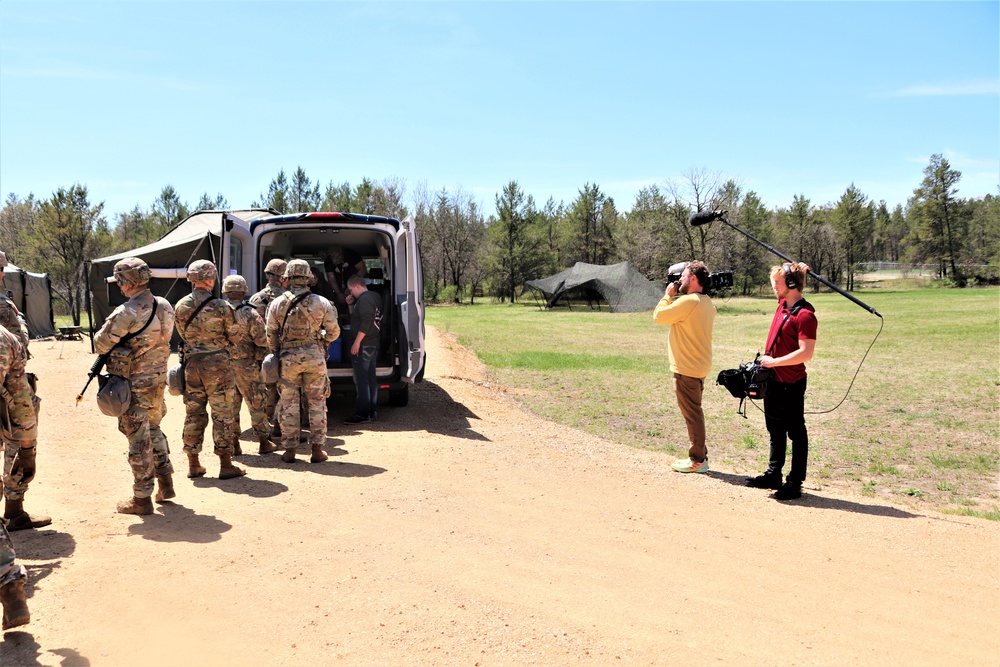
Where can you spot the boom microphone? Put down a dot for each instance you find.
(705, 217)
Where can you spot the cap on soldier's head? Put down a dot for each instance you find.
(276, 267)
(298, 269)
(201, 269)
(235, 285)
(131, 271)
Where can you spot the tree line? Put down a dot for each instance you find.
(468, 251)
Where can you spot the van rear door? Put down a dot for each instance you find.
(411, 308)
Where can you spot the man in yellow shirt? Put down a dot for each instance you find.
(690, 316)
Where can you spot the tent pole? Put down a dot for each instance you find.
(90, 315)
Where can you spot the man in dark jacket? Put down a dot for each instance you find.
(366, 318)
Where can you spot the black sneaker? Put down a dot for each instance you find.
(765, 481)
(356, 419)
(788, 491)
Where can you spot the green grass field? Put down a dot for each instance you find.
(920, 423)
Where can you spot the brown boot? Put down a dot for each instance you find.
(237, 450)
(140, 506)
(289, 455)
(18, 519)
(266, 446)
(318, 455)
(228, 470)
(166, 490)
(195, 469)
(15, 607)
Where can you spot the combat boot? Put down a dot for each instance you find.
(237, 450)
(318, 455)
(195, 469)
(140, 506)
(15, 606)
(289, 455)
(266, 446)
(18, 519)
(166, 490)
(228, 470)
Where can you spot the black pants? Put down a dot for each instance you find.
(784, 414)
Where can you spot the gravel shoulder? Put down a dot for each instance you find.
(463, 530)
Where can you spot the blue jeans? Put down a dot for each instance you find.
(363, 365)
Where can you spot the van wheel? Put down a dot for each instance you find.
(398, 398)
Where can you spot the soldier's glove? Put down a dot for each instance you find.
(22, 470)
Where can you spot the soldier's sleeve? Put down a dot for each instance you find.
(166, 315)
(330, 322)
(179, 311)
(271, 325)
(116, 326)
(255, 327)
(12, 320)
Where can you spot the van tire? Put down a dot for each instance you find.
(398, 398)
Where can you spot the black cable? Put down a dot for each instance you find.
(823, 412)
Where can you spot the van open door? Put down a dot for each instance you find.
(411, 307)
(237, 251)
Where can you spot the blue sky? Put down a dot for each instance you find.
(784, 97)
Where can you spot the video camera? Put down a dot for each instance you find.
(717, 282)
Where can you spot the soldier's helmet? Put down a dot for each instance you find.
(132, 271)
(235, 285)
(298, 270)
(201, 269)
(276, 267)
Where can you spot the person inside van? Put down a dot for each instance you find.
(340, 264)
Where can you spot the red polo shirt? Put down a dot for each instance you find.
(800, 326)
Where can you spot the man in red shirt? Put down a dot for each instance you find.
(790, 344)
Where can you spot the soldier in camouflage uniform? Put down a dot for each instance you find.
(246, 357)
(148, 451)
(18, 421)
(207, 327)
(275, 274)
(300, 326)
(10, 316)
(19, 428)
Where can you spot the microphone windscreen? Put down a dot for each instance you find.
(702, 218)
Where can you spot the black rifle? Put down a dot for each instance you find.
(95, 370)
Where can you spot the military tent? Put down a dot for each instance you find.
(623, 288)
(32, 294)
(199, 236)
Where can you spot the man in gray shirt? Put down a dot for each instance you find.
(366, 319)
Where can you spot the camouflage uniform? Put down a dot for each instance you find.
(303, 340)
(246, 356)
(12, 578)
(10, 317)
(261, 300)
(9, 569)
(19, 428)
(148, 450)
(208, 375)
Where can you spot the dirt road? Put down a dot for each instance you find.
(462, 530)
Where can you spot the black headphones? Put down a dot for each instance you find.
(790, 280)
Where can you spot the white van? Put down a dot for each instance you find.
(391, 264)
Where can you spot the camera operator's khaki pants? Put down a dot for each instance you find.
(689, 392)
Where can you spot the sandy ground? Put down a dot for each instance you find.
(462, 530)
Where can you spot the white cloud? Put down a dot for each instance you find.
(949, 89)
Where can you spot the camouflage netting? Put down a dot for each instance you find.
(623, 288)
